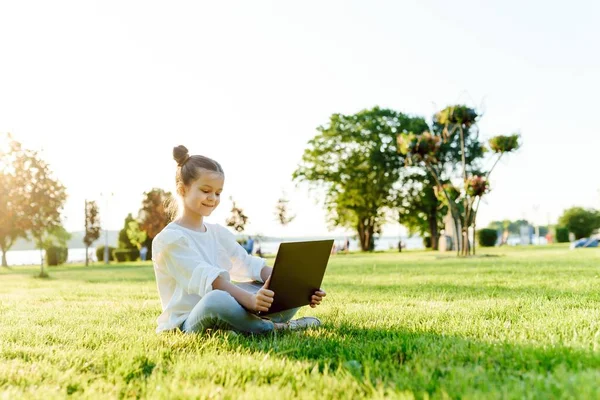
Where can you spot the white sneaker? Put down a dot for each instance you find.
(303, 323)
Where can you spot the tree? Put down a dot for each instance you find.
(581, 222)
(354, 159)
(45, 199)
(14, 220)
(238, 219)
(136, 236)
(57, 236)
(281, 211)
(153, 215)
(92, 227)
(458, 124)
(124, 240)
(55, 244)
(420, 210)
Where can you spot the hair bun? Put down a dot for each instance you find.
(180, 154)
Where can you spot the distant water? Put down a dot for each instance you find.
(33, 257)
(385, 243)
(77, 255)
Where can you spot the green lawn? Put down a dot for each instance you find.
(518, 324)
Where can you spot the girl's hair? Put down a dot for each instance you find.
(189, 169)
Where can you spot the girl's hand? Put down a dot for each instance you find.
(317, 298)
(262, 300)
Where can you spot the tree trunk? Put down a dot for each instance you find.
(41, 262)
(87, 250)
(474, 236)
(433, 227)
(5, 246)
(457, 230)
(365, 234)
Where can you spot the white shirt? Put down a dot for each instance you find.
(186, 262)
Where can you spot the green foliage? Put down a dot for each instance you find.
(504, 144)
(56, 237)
(427, 242)
(424, 146)
(355, 160)
(487, 237)
(580, 221)
(124, 240)
(56, 255)
(419, 208)
(477, 186)
(124, 255)
(562, 234)
(100, 253)
(457, 115)
(136, 236)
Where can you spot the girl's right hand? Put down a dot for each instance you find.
(262, 300)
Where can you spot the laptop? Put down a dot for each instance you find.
(297, 273)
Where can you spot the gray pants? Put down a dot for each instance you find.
(219, 310)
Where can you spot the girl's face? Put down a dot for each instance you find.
(204, 194)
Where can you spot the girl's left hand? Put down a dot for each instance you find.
(317, 298)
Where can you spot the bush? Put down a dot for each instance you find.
(580, 221)
(487, 237)
(562, 234)
(427, 242)
(56, 255)
(123, 255)
(100, 253)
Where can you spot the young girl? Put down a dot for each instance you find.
(194, 262)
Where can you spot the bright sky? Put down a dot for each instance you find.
(107, 88)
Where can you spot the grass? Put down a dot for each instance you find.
(523, 324)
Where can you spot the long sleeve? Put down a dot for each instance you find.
(243, 265)
(196, 276)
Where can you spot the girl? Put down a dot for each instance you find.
(194, 261)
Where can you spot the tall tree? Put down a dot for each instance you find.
(46, 197)
(420, 207)
(458, 122)
(92, 227)
(354, 159)
(14, 221)
(153, 215)
(238, 219)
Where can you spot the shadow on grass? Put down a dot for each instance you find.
(423, 362)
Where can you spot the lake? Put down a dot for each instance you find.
(77, 255)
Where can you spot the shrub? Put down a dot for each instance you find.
(56, 255)
(487, 237)
(123, 255)
(427, 242)
(100, 253)
(562, 234)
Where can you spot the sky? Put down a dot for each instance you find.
(105, 90)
